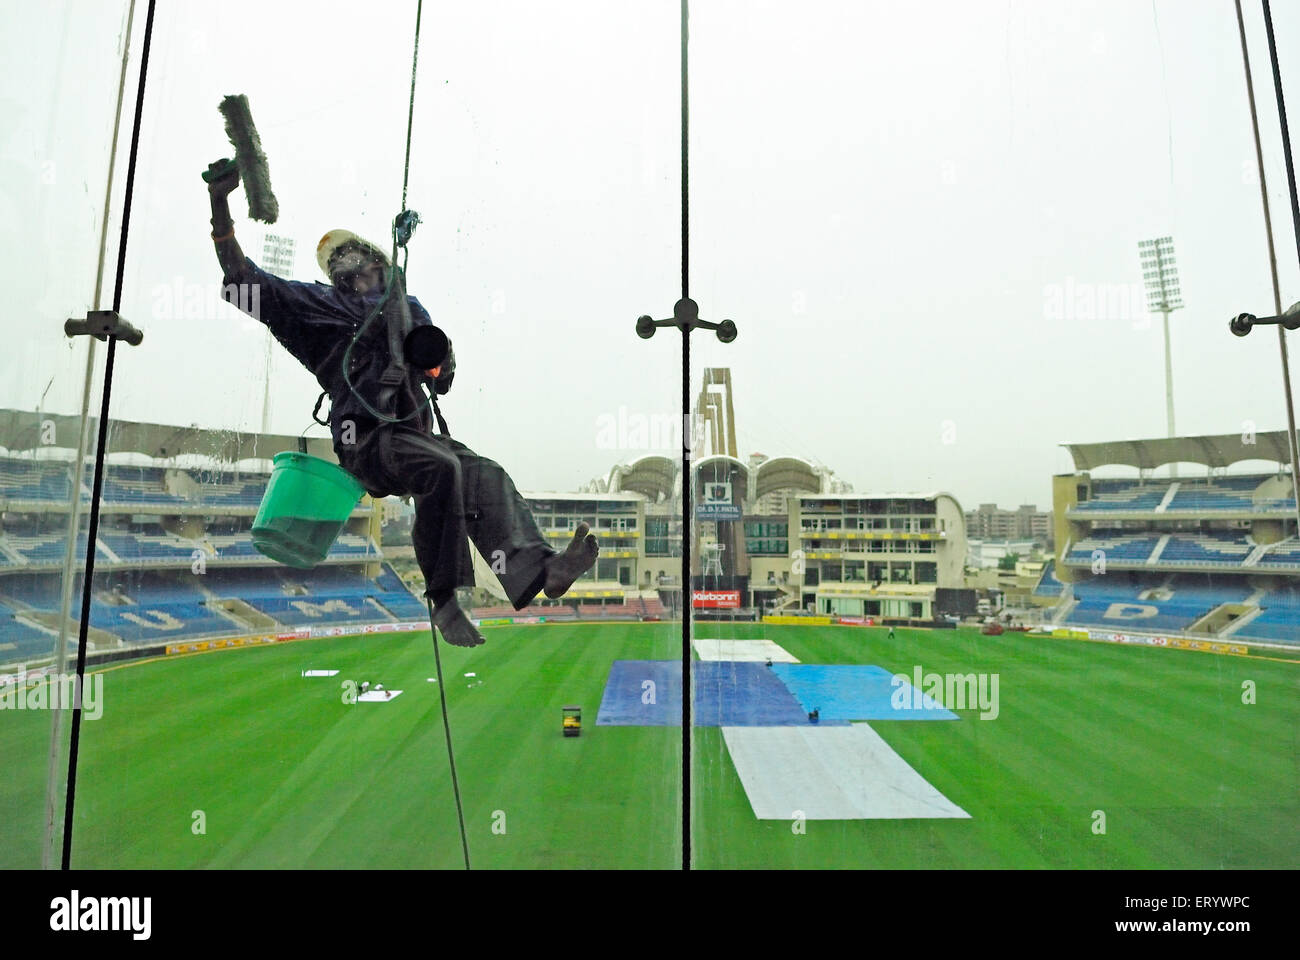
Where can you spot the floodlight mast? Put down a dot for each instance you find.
(1160, 274)
(277, 257)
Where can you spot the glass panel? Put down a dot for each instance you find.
(285, 717)
(62, 69)
(928, 240)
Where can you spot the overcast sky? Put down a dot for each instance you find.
(923, 218)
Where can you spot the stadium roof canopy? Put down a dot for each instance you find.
(29, 430)
(886, 495)
(624, 496)
(720, 465)
(651, 476)
(1213, 451)
(788, 473)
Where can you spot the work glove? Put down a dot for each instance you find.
(222, 176)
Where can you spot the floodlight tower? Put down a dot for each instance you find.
(278, 258)
(1160, 275)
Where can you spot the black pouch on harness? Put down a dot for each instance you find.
(395, 397)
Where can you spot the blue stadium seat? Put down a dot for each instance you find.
(1048, 585)
(1118, 546)
(1116, 601)
(312, 610)
(39, 480)
(1280, 621)
(1124, 495)
(18, 641)
(158, 621)
(144, 485)
(1229, 548)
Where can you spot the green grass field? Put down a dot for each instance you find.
(286, 775)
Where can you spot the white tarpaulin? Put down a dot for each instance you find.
(830, 773)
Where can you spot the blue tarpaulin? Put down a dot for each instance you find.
(726, 693)
(857, 692)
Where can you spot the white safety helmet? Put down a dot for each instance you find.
(337, 238)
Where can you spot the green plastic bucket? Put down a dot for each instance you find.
(306, 503)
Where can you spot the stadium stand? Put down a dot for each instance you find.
(32, 590)
(1286, 553)
(230, 490)
(1119, 547)
(144, 607)
(1133, 601)
(1279, 617)
(139, 546)
(1218, 548)
(393, 596)
(142, 485)
(174, 556)
(305, 611)
(1225, 493)
(652, 606)
(1048, 585)
(1217, 557)
(1124, 495)
(1206, 495)
(607, 611)
(21, 641)
(157, 621)
(44, 550)
(550, 611)
(36, 480)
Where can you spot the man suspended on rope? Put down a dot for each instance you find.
(459, 496)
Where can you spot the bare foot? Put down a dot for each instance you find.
(563, 568)
(455, 627)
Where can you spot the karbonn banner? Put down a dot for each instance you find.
(715, 598)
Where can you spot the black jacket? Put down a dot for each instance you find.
(315, 322)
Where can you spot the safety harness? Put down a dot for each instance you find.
(398, 382)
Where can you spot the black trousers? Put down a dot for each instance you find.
(459, 496)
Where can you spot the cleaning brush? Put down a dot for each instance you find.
(250, 159)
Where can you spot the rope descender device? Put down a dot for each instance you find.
(404, 225)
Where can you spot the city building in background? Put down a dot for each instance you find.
(988, 521)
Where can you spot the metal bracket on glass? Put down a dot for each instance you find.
(686, 317)
(103, 324)
(1242, 323)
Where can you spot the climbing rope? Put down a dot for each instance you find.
(446, 726)
(403, 224)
